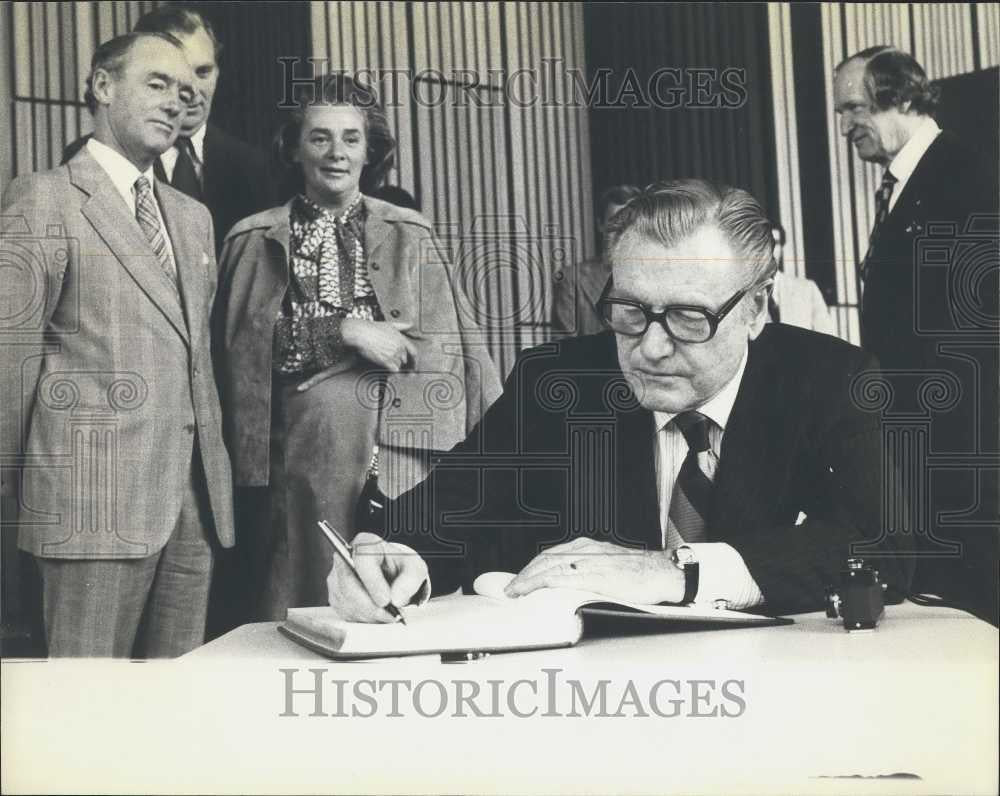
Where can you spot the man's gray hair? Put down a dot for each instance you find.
(110, 57)
(668, 213)
(893, 77)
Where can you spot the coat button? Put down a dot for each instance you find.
(374, 266)
(394, 313)
(189, 428)
(397, 403)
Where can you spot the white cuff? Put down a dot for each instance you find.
(722, 575)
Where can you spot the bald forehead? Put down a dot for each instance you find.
(150, 47)
(850, 78)
(851, 67)
(198, 47)
(157, 57)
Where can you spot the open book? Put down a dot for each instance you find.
(489, 621)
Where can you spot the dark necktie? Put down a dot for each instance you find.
(882, 197)
(149, 221)
(692, 495)
(185, 176)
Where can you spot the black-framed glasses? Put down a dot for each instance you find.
(685, 323)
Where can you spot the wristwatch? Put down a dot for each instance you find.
(686, 560)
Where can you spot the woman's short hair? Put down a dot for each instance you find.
(893, 77)
(668, 213)
(341, 88)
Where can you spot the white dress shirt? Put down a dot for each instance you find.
(722, 571)
(123, 175)
(169, 158)
(801, 304)
(906, 160)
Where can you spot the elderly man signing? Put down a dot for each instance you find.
(690, 453)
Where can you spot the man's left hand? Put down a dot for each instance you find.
(639, 576)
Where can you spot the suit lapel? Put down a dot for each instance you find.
(188, 255)
(108, 214)
(638, 502)
(211, 157)
(918, 186)
(748, 465)
(637, 508)
(280, 233)
(376, 233)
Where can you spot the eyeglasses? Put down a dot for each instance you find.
(682, 322)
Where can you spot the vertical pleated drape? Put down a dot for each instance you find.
(688, 94)
(490, 142)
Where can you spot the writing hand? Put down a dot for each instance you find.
(388, 572)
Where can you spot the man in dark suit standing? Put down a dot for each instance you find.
(227, 175)
(929, 313)
(110, 407)
(692, 453)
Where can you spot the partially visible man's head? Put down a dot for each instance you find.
(878, 93)
(201, 47)
(138, 88)
(696, 246)
(611, 201)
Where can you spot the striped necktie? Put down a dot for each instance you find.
(149, 220)
(882, 197)
(692, 495)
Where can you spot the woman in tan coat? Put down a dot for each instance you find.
(343, 346)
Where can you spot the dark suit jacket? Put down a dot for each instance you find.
(567, 451)
(907, 309)
(236, 180)
(930, 307)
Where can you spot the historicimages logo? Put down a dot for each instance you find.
(311, 693)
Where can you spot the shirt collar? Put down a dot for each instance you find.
(908, 157)
(198, 142)
(307, 210)
(119, 169)
(718, 407)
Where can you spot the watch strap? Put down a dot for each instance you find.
(692, 573)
